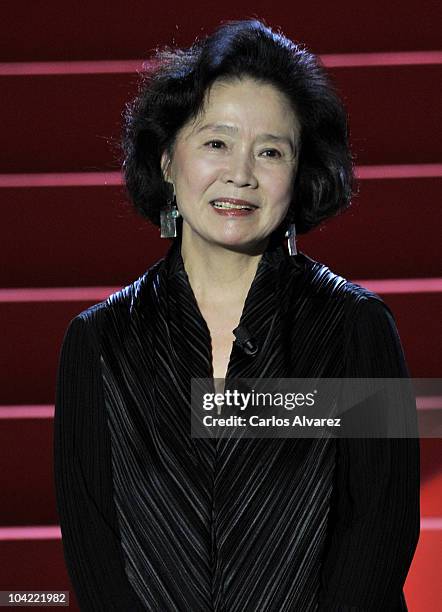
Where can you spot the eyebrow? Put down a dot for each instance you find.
(223, 127)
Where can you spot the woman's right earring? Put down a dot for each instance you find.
(168, 216)
(291, 239)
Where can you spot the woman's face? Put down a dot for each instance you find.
(245, 145)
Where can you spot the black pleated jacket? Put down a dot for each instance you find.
(153, 519)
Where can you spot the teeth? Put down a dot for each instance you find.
(222, 204)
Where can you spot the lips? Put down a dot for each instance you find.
(234, 203)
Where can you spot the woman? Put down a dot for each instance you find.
(229, 146)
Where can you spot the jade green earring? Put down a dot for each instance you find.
(168, 217)
(291, 239)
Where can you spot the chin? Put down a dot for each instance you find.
(242, 243)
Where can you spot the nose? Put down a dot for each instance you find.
(240, 170)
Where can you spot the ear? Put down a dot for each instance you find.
(165, 164)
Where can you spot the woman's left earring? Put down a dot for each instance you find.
(168, 217)
(291, 239)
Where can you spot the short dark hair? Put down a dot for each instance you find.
(172, 90)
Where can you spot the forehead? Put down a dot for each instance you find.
(246, 104)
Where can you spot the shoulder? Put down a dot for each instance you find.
(362, 309)
(372, 344)
(367, 318)
(320, 281)
(118, 309)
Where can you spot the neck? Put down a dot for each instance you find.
(218, 275)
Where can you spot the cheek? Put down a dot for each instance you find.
(279, 189)
(197, 173)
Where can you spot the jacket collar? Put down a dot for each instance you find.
(274, 256)
(268, 293)
(275, 273)
(266, 303)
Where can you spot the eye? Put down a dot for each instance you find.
(278, 154)
(213, 142)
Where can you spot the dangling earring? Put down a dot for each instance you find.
(168, 216)
(291, 239)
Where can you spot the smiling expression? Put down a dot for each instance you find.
(243, 146)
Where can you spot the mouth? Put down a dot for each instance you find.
(232, 204)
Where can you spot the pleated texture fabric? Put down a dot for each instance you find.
(240, 524)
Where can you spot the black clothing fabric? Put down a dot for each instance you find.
(153, 519)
